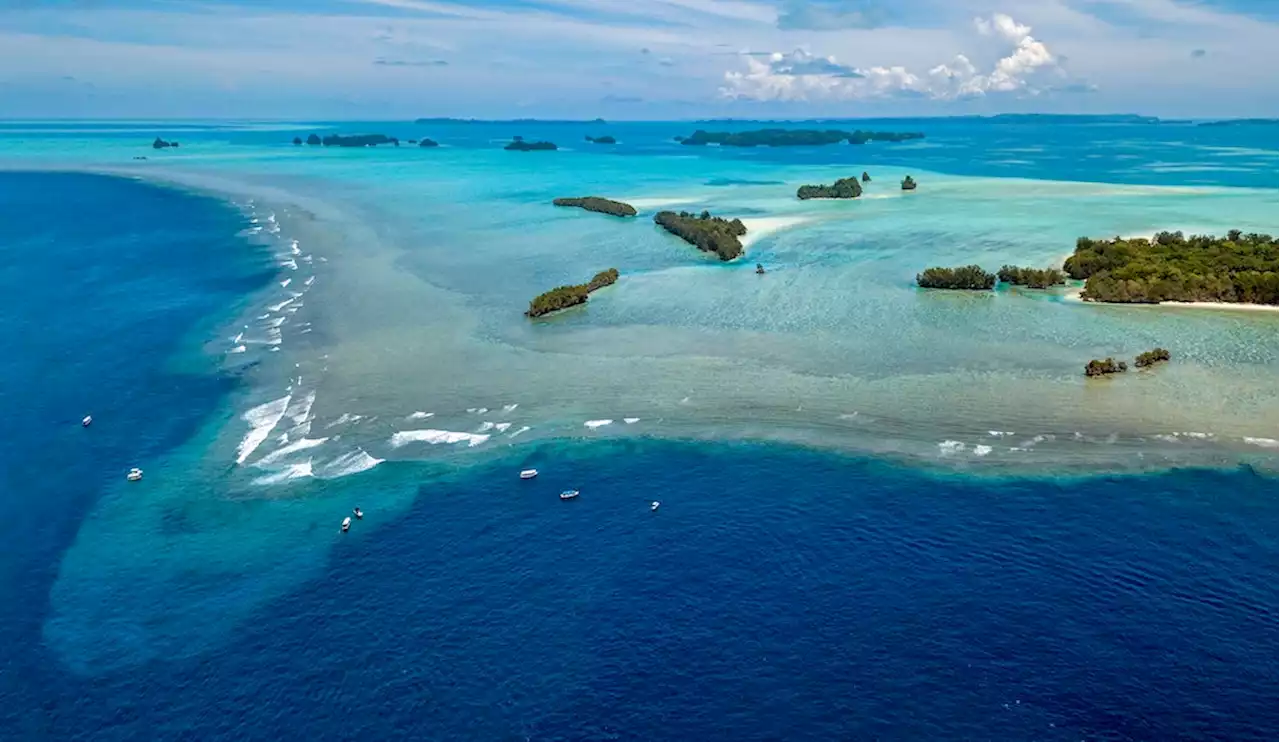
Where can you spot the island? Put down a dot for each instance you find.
(908, 184)
(1236, 268)
(865, 178)
(518, 144)
(1240, 122)
(967, 278)
(1102, 368)
(162, 144)
(354, 140)
(563, 297)
(791, 137)
(601, 205)
(425, 142)
(297, 141)
(705, 232)
(601, 140)
(842, 188)
(1035, 278)
(1151, 357)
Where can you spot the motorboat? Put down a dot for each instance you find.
(87, 421)
(654, 505)
(357, 512)
(568, 494)
(346, 524)
(134, 474)
(528, 473)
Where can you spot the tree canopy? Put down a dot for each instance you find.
(563, 297)
(1036, 278)
(601, 205)
(968, 277)
(842, 188)
(705, 232)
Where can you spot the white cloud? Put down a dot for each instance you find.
(802, 76)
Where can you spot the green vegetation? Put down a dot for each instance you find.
(791, 137)
(595, 203)
(1236, 268)
(842, 188)
(601, 140)
(518, 144)
(424, 142)
(908, 184)
(1036, 278)
(1151, 357)
(705, 232)
(162, 144)
(353, 140)
(563, 297)
(1102, 368)
(865, 178)
(969, 277)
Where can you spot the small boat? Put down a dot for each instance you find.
(346, 524)
(528, 473)
(568, 494)
(654, 505)
(134, 474)
(87, 421)
(759, 269)
(357, 512)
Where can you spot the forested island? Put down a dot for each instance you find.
(792, 137)
(1104, 367)
(518, 144)
(425, 142)
(353, 140)
(601, 205)
(908, 184)
(842, 188)
(1151, 357)
(162, 144)
(865, 178)
(968, 278)
(601, 140)
(1035, 278)
(563, 297)
(1237, 268)
(705, 232)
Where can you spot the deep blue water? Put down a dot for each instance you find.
(777, 594)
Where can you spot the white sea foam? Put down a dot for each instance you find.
(310, 280)
(279, 306)
(285, 452)
(238, 336)
(300, 410)
(949, 447)
(284, 474)
(238, 349)
(846, 416)
(484, 426)
(405, 437)
(630, 420)
(471, 409)
(344, 419)
(593, 424)
(509, 407)
(291, 264)
(999, 433)
(285, 283)
(348, 463)
(421, 415)
(502, 427)
(981, 450)
(521, 429)
(1264, 442)
(293, 247)
(1169, 438)
(760, 227)
(276, 322)
(481, 410)
(262, 420)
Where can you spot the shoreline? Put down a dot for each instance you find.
(1073, 295)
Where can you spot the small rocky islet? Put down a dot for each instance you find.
(563, 297)
(598, 204)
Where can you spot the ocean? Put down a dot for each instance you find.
(884, 514)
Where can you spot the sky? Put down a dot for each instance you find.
(635, 59)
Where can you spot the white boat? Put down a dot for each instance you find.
(654, 505)
(134, 474)
(528, 473)
(87, 421)
(357, 512)
(568, 494)
(346, 524)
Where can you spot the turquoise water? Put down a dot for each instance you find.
(344, 327)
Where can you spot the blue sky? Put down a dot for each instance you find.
(634, 59)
